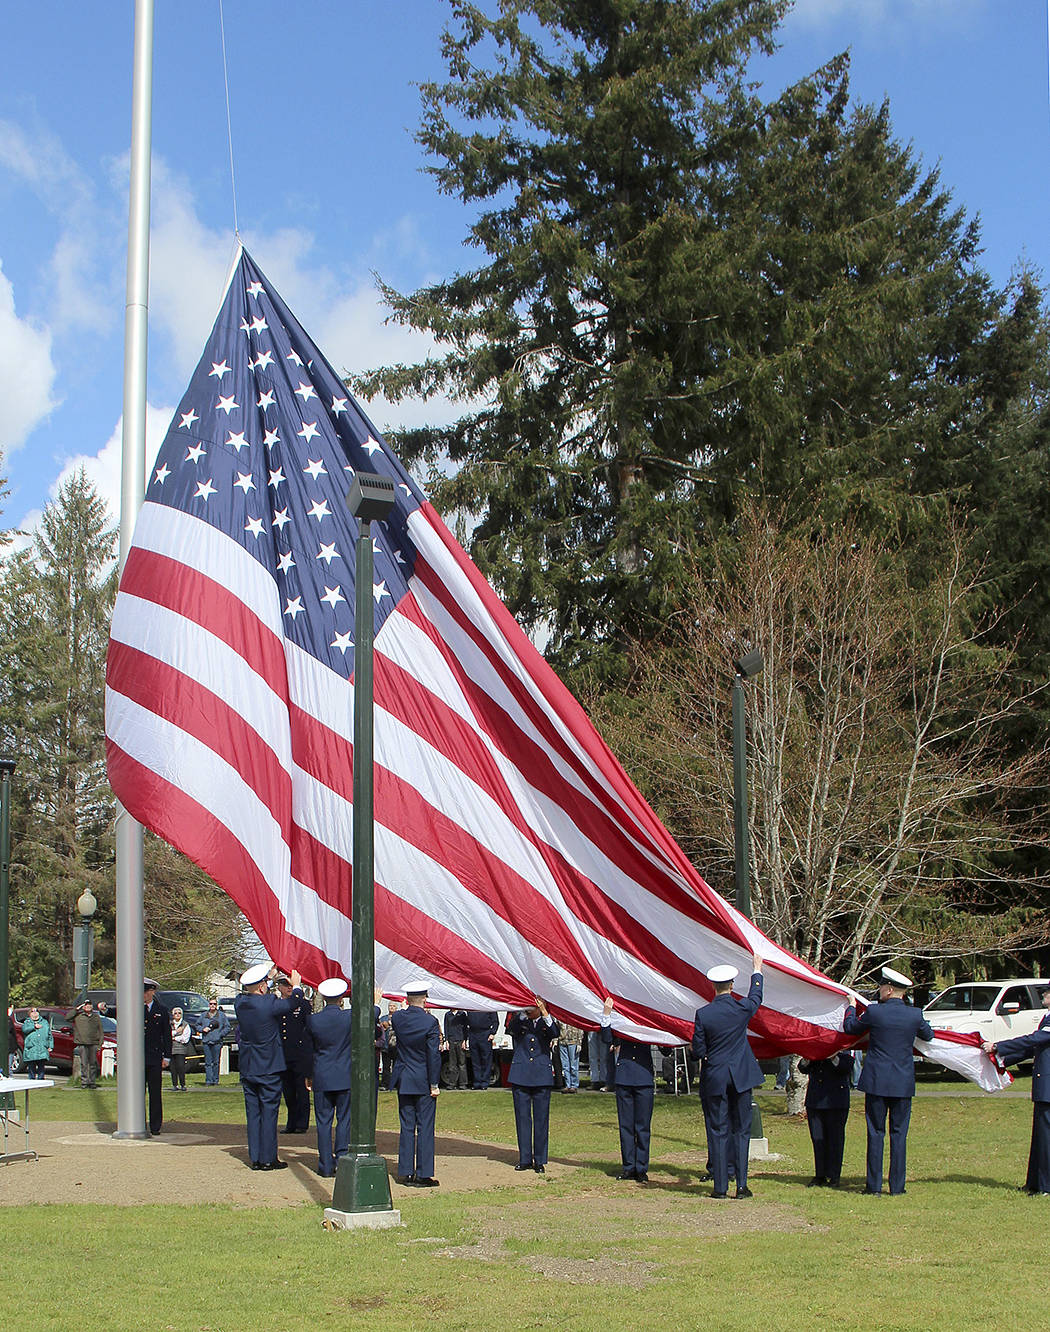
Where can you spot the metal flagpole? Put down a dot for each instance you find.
(131, 1057)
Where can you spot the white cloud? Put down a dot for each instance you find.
(889, 16)
(103, 469)
(27, 396)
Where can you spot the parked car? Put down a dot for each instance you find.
(62, 1032)
(997, 1010)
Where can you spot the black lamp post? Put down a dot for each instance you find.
(747, 668)
(7, 767)
(361, 1182)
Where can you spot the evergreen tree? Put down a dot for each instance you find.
(688, 296)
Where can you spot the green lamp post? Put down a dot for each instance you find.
(7, 767)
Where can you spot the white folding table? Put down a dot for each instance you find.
(20, 1085)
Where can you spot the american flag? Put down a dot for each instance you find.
(513, 856)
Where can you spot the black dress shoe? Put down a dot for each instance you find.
(744, 1193)
(642, 1177)
(255, 1165)
(405, 1179)
(719, 1195)
(625, 1174)
(833, 1183)
(815, 1183)
(427, 1183)
(874, 1193)
(523, 1165)
(540, 1170)
(274, 1165)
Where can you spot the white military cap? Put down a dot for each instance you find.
(892, 977)
(417, 987)
(255, 974)
(332, 988)
(720, 974)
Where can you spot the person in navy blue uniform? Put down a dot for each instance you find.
(261, 1061)
(298, 1057)
(531, 1077)
(481, 1032)
(329, 1032)
(635, 1088)
(827, 1109)
(888, 1076)
(457, 1033)
(417, 1069)
(158, 1053)
(728, 1075)
(1036, 1045)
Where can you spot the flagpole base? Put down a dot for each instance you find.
(334, 1219)
(362, 1187)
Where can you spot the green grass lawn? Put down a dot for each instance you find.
(585, 1252)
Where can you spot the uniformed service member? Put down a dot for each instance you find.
(728, 1075)
(481, 1032)
(888, 1076)
(531, 1077)
(261, 1061)
(329, 1032)
(298, 1057)
(827, 1109)
(417, 1070)
(157, 1053)
(1037, 1044)
(635, 1088)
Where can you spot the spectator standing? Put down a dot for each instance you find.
(213, 1031)
(158, 1053)
(38, 1042)
(180, 1044)
(87, 1038)
(531, 1077)
(569, 1053)
(456, 1035)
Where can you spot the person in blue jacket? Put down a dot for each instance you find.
(635, 1088)
(213, 1028)
(888, 1076)
(417, 1070)
(329, 1079)
(533, 1031)
(481, 1032)
(827, 1109)
(1036, 1045)
(728, 1075)
(261, 1060)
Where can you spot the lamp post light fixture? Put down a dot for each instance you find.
(361, 1196)
(7, 767)
(84, 941)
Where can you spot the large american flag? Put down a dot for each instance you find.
(513, 856)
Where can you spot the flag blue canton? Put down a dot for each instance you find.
(264, 447)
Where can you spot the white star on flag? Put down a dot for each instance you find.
(333, 595)
(315, 469)
(328, 553)
(294, 607)
(342, 642)
(226, 405)
(162, 473)
(254, 525)
(193, 453)
(244, 481)
(218, 369)
(205, 490)
(187, 419)
(319, 509)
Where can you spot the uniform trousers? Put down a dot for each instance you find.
(154, 1095)
(634, 1114)
(532, 1118)
(297, 1098)
(1038, 1178)
(481, 1064)
(727, 1118)
(262, 1103)
(827, 1130)
(875, 1111)
(415, 1145)
(329, 1105)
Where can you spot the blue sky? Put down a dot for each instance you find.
(329, 183)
